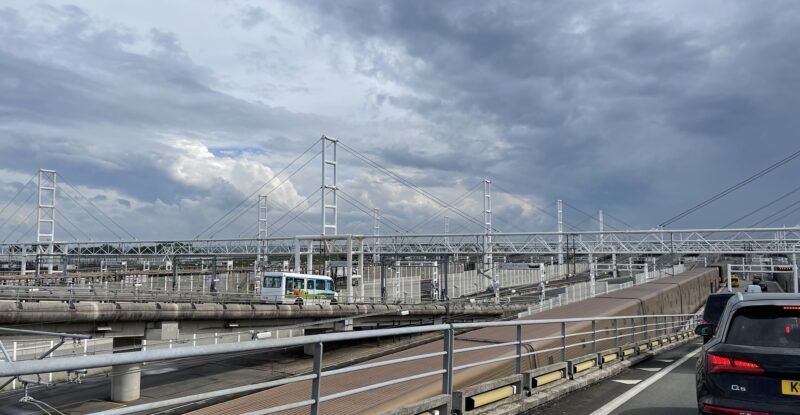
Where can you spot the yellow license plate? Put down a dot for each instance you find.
(790, 387)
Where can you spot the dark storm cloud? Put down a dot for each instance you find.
(92, 101)
(615, 105)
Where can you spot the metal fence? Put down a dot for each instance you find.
(621, 330)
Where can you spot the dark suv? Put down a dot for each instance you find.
(752, 365)
(714, 306)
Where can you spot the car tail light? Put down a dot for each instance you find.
(722, 364)
(791, 307)
(730, 411)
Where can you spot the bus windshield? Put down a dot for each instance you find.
(272, 282)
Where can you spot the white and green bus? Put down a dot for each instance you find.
(292, 288)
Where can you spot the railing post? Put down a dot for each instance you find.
(615, 326)
(519, 350)
(594, 336)
(646, 330)
(447, 362)
(315, 383)
(563, 341)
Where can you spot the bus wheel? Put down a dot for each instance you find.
(298, 301)
(334, 302)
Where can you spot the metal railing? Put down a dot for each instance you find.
(621, 330)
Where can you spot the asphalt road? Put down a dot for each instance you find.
(663, 385)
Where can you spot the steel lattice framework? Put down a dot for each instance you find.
(641, 242)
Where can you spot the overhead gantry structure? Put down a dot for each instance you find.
(636, 242)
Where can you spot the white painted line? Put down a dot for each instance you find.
(665, 360)
(649, 369)
(628, 382)
(625, 397)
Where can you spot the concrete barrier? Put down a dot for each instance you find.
(549, 375)
(580, 366)
(437, 405)
(609, 357)
(479, 396)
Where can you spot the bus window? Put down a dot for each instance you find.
(293, 284)
(319, 285)
(272, 282)
(329, 285)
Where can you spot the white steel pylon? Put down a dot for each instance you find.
(376, 231)
(263, 232)
(46, 216)
(560, 234)
(330, 211)
(488, 247)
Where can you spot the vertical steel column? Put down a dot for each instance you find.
(46, 216)
(600, 219)
(174, 272)
(315, 383)
(794, 272)
(594, 336)
(488, 247)
(263, 232)
(376, 231)
(560, 212)
(563, 341)
(730, 287)
(348, 269)
(310, 258)
(329, 187)
(296, 255)
(446, 231)
(592, 286)
(615, 326)
(447, 362)
(518, 360)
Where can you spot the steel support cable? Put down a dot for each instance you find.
(10, 234)
(16, 195)
(65, 217)
(64, 228)
(774, 201)
(355, 203)
(776, 213)
(299, 213)
(302, 222)
(17, 209)
(406, 182)
(588, 215)
(366, 209)
(784, 216)
(533, 205)
(221, 218)
(63, 179)
(466, 194)
(622, 222)
(88, 212)
(730, 189)
(30, 231)
(255, 202)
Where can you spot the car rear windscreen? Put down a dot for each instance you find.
(714, 307)
(766, 326)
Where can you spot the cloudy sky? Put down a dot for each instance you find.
(162, 118)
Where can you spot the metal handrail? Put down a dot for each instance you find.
(671, 322)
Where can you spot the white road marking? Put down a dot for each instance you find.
(625, 397)
(628, 382)
(665, 360)
(649, 369)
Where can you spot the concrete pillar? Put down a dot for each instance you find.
(125, 379)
